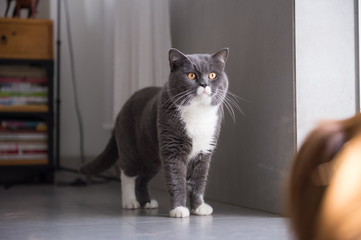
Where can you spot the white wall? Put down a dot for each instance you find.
(325, 62)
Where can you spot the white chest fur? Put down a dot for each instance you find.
(200, 123)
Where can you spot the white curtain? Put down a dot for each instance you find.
(108, 61)
(142, 41)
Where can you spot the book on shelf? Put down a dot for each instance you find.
(23, 125)
(23, 86)
(23, 101)
(22, 146)
(21, 71)
(25, 136)
(16, 150)
(15, 94)
(23, 140)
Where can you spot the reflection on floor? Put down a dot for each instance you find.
(94, 212)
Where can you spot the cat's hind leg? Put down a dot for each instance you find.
(142, 191)
(129, 200)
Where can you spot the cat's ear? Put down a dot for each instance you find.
(221, 56)
(176, 58)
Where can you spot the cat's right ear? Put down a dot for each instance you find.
(176, 58)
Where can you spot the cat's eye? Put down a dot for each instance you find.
(212, 75)
(191, 76)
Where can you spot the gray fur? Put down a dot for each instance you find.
(149, 132)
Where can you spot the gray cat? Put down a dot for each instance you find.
(175, 127)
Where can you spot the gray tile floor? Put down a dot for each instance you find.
(94, 212)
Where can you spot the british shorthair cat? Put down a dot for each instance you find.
(175, 127)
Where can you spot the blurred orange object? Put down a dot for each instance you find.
(324, 201)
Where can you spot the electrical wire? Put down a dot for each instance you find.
(57, 119)
(75, 91)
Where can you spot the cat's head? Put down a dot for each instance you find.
(197, 78)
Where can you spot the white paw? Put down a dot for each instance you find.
(131, 204)
(179, 212)
(152, 204)
(203, 209)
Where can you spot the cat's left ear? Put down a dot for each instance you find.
(177, 58)
(221, 56)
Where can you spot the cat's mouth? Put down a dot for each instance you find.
(203, 95)
(204, 90)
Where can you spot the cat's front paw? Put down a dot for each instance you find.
(131, 204)
(152, 204)
(179, 212)
(203, 210)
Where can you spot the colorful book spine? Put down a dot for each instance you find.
(23, 140)
(23, 125)
(21, 146)
(36, 136)
(16, 101)
(23, 91)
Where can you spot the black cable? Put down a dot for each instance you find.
(108, 178)
(57, 127)
(75, 91)
(81, 182)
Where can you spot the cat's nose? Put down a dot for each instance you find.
(203, 84)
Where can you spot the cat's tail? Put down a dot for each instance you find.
(103, 161)
(311, 172)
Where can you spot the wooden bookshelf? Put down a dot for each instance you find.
(26, 81)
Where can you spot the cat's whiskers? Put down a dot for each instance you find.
(233, 95)
(229, 109)
(176, 112)
(186, 99)
(232, 100)
(229, 101)
(179, 98)
(234, 103)
(173, 97)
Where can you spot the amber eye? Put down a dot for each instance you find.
(191, 76)
(212, 76)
